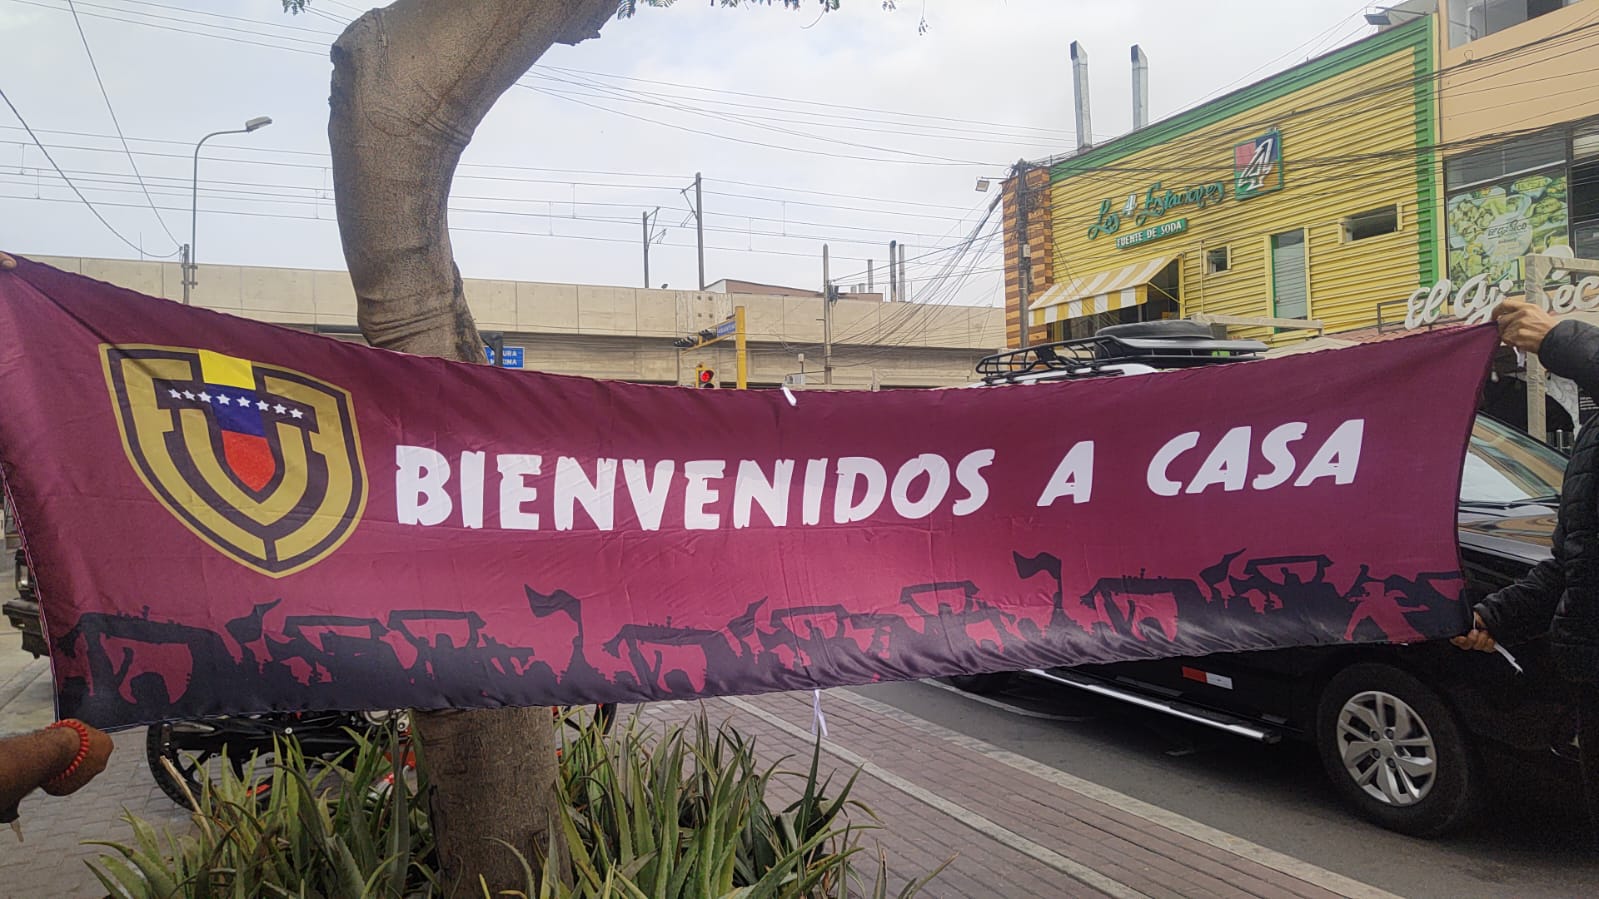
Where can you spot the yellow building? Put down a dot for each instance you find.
(1292, 206)
(1518, 131)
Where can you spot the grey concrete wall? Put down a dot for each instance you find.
(620, 332)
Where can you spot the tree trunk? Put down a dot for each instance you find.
(411, 82)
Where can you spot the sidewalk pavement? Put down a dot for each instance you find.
(1007, 826)
(50, 861)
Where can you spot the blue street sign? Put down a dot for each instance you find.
(512, 358)
(725, 329)
(488, 354)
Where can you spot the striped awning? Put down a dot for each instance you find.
(1100, 292)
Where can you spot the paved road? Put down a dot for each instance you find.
(1275, 796)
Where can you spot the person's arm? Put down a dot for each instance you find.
(1568, 348)
(1520, 611)
(1571, 349)
(42, 760)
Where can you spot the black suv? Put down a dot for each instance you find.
(1407, 733)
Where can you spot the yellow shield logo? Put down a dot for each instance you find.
(261, 462)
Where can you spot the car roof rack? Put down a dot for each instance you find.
(1160, 345)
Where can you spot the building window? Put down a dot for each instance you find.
(1372, 223)
(1584, 210)
(1505, 160)
(1472, 19)
(1217, 261)
(1289, 294)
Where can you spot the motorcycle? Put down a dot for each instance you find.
(196, 749)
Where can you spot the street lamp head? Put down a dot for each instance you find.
(257, 123)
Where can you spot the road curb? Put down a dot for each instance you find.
(1269, 858)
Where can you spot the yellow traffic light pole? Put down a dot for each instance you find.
(708, 336)
(740, 354)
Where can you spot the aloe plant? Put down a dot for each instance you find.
(343, 830)
(679, 814)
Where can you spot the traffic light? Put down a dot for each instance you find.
(707, 377)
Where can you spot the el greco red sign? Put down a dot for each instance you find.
(229, 517)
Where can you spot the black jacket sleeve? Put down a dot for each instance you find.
(1571, 350)
(1524, 609)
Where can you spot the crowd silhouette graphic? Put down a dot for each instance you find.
(131, 669)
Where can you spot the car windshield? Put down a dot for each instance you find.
(1505, 467)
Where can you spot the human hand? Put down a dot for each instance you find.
(1478, 638)
(1523, 325)
(94, 761)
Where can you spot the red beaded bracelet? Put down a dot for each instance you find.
(83, 749)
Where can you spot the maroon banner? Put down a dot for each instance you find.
(229, 517)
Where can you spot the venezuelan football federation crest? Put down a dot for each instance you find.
(261, 462)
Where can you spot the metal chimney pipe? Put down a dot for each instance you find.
(1085, 132)
(1140, 88)
(893, 277)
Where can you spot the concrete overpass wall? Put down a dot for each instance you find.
(620, 332)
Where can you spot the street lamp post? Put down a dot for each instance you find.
(190, 268)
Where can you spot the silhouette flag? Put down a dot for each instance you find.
(229, 517)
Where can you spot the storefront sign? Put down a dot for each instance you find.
(1154, 232)
(1490, 228)
(1157, 201)
(1257, 169)
(1475, 300)
(234, 517)
(1257, 166)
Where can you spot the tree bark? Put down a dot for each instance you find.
(411, 83)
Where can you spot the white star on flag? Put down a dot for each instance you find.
(188, 394)
(296, 414)
(224, 399)
(205, 397)
(280, 408)
(263, 405)
(174, 394)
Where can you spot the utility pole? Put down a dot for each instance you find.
(188, 279)
(827, 321)
(870, 264)
(699, 226)
(646, 216)
(1535, 270)
(1024, 252)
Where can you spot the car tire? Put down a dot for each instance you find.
(982, 684)
(1413, 774)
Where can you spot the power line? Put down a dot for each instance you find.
(801, 102)
(454, 228)
(527, 168)
(118, 125)
(243, 190)
(42, 149)
(920, 158)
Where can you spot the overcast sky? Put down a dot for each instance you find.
(852, 128)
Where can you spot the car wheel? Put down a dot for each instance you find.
(1394, 750)
(982, 684)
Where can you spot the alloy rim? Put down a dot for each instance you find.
(1386, 748)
